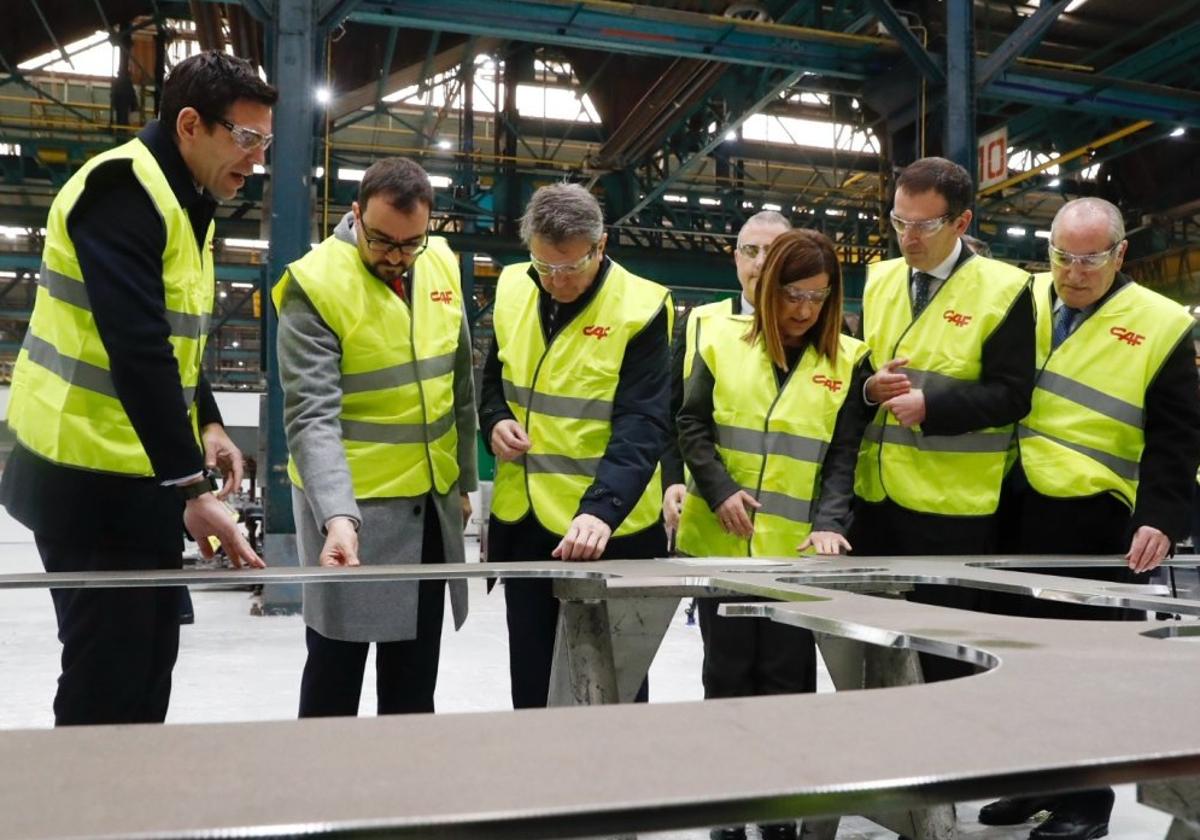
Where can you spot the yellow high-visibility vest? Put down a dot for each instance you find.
(772, 440)
(397, 364)
(1086, 430)
(951, 475)
(562, 394)
(699, 313)
(64, 406)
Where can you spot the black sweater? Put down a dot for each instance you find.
(119, 239)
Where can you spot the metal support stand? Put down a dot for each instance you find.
(852, 666)
(1181, 799)
(604, 646)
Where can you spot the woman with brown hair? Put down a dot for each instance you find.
(770, 428)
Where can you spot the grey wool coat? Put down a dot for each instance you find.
(391, 530)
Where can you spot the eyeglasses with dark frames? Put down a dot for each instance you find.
(382, 247)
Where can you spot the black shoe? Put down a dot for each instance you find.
(1070, 827)
(733, 832)
(777, 831)
(1012, 810)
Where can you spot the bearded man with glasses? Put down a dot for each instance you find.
(951, 334)
(115, 422)
(1108, 453)
(379, 408)
(574, 404)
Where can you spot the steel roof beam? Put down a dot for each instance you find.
(914, 49)
(1024, 38)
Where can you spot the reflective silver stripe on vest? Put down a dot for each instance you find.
(932, 381)
(78, 373)
(561, 465)
(970, 442)
(397, 375)
(1089, 397)
(72, 291)
(576, 408)
(1121, 466)
(362, 431)
(184, 325)
(777, 443)
(788, 507)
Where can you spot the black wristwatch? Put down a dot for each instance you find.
(196, 489)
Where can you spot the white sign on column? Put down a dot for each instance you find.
(993, 157)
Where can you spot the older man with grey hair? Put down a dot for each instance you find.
(574, 404)
(1108, 453)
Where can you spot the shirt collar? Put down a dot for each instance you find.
(162, 146)
(1119, 282)
(747, 306)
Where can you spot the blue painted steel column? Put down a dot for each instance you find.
(960, 85)
(294, 54)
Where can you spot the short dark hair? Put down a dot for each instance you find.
(401, 180)
(945, 177)
(210, 82)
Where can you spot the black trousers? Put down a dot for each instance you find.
(405, 672)
(750, 657)
(1031, 523)
(886, 528)
(119, 645)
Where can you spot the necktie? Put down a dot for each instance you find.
(398, 287)
(1064, 319)
(921, 282)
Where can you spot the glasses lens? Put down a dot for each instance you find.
(926, 227)
(750, 252)
(248, 139)
(547, 269)
(1063, 259)
(811, 295)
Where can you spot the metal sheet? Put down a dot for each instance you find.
(1064, 704)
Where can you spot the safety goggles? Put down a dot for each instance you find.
(813, 296)
(546, 269)
(247, 139)
(923, 228)
(1063, 259)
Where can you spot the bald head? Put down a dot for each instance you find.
(756, 235)
(1087, 249)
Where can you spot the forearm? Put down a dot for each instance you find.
(1167, 478)
(310, 372)
(492, 406)
(832, 512)
(464, 411)
(698, 439)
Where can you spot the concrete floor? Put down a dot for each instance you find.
(235, 667)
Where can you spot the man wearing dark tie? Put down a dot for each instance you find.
(953, 333)
(1108, 453)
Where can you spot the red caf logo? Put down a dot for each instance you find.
(441, 297)
(1128, 336)
(956, 318)
(833, 385)
(598, 331)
